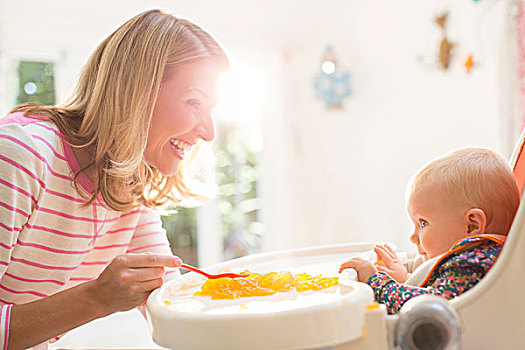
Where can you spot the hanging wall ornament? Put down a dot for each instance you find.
(446, 47)
(468, 63)
(331, 84)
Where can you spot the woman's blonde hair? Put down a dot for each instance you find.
(476, 178)
(110, 110)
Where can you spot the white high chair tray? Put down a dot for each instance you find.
(291, 320)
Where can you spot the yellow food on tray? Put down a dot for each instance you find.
(262, 284)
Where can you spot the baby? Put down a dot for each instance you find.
(462, 206)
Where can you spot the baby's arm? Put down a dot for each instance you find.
(364, 268)
(451, 282)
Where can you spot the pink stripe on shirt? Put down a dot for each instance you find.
(7, 228)
(148, 234)
(57, 232)
(6, 246)
(18, 189)
(42, 266)
(111, 246)
(17, 165)
(32, 292)
(36, 154)
(6, 322)
(31, 280)
(131, 228)
(58, 155)
(71, 198)
(13, 209)
(88, 263)
(56, 132)
(49, 249)
(147, 246)
(2, 301)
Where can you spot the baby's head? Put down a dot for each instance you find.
(467, 192)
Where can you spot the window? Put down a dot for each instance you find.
(36, 82)
(181, 228)
(238, 202)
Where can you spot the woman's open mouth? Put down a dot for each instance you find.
(180, 147)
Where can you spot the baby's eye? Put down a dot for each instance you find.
(423, 223)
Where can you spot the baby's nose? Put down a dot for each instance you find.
(414, 238)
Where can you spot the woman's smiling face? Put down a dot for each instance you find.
(182, 114)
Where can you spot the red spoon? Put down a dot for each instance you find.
(213, 276)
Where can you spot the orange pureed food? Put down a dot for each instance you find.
(262, 284)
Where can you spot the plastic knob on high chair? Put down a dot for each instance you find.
(428, 322)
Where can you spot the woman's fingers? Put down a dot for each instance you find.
(128, 279)
(132, 268)
(148, 260)
(146, 273)
(148, 286)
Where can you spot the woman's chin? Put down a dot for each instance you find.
(169, 172)
(168, 169)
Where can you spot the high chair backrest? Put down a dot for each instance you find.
(500, 293)
(518, 161)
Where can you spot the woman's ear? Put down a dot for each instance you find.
(476, 221)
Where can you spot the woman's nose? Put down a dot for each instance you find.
(206, 128)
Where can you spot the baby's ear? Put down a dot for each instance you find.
(476, 221)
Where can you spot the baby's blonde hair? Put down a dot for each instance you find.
(477, 178)
(110, 112)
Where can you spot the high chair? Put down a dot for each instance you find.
(488, 316)
(491, 313)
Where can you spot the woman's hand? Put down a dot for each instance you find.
(392, 266)
(364, 268)
(129, 279)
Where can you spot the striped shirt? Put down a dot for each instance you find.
(49, 241)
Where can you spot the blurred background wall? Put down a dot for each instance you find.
(310, 174)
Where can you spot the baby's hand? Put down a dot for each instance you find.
(392, 266)
(364, 268)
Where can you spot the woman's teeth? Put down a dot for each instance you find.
(180, 146)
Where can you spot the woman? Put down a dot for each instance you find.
(79, 182)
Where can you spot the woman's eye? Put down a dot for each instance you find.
(424, 223)
(194, 103)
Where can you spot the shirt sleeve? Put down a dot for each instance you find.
(22, 181)
(5, 313)
(452, 281)
(150, 236)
